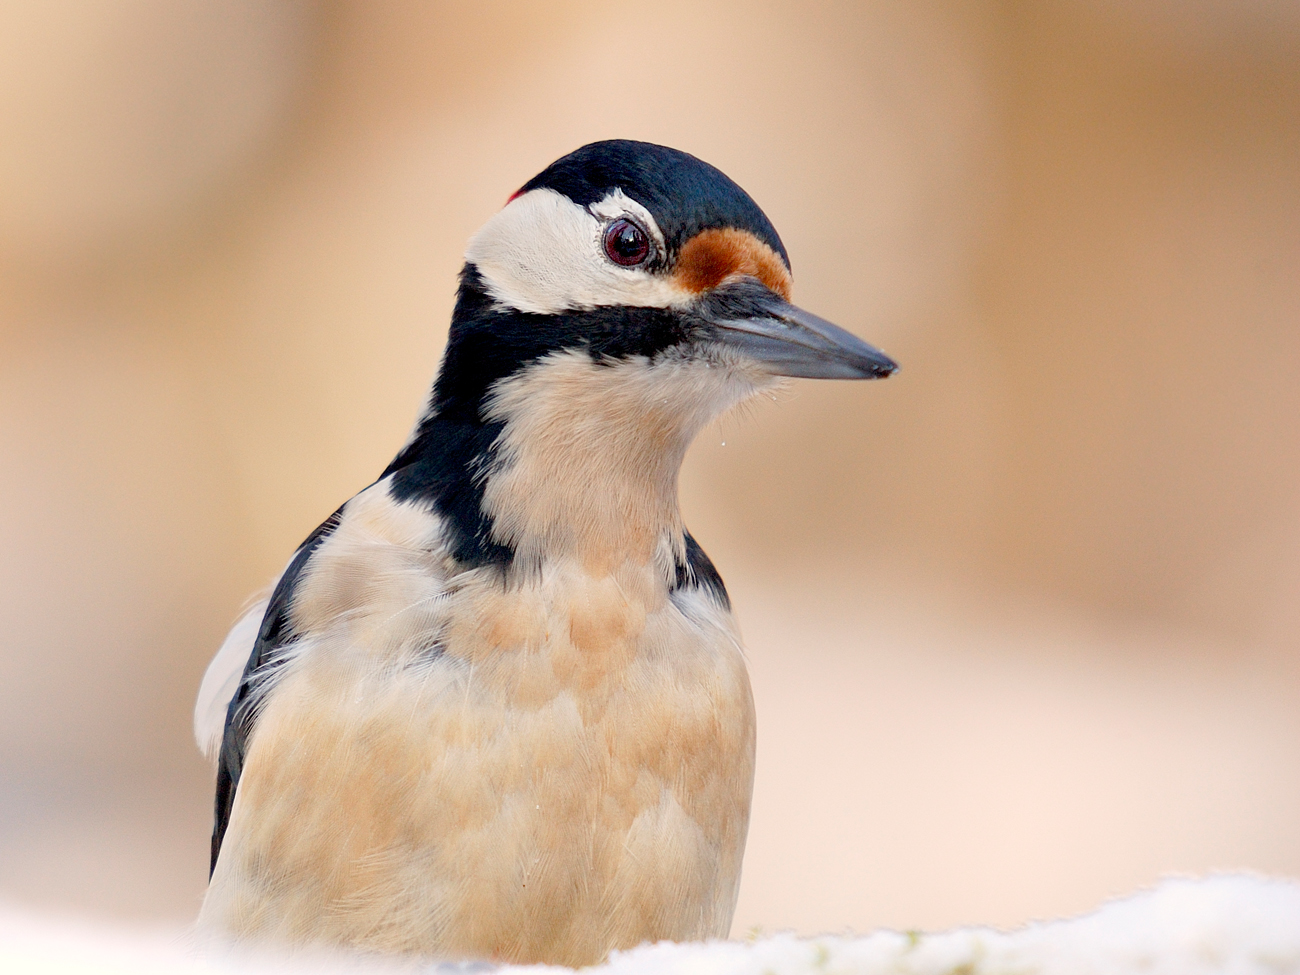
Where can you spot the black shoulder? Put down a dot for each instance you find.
(699, 572)
(274, 633)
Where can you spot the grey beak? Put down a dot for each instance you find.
(788, 340)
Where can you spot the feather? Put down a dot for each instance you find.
(221, 679)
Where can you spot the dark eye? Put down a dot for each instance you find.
(626, 243)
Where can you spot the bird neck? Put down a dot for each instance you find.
(566, 459)
(586, 463)
(534, 446)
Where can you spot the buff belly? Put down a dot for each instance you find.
(552, 779)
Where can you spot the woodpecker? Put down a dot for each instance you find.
(496, 706)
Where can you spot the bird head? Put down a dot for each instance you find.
(620, 300)
(655, 234)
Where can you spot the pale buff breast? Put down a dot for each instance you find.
(550, 770)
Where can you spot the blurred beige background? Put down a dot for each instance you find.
(1024, 620)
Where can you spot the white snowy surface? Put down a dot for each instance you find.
(1234, 924)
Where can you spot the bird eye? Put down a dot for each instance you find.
(626, 243)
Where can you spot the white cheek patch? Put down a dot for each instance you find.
(543, 254)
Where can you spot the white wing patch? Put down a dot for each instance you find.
(221, 679)
(542, 253)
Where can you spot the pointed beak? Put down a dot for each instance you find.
(787, 340)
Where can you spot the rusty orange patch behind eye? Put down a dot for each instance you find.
(712, 256)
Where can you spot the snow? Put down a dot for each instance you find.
(1230, 924)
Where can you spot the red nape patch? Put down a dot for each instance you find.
(514, 196)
